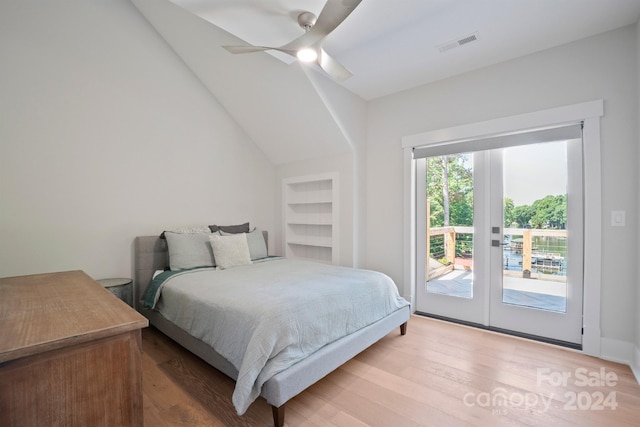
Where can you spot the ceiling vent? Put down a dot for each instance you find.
(457, 43)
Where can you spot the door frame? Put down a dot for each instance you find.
(589, 113)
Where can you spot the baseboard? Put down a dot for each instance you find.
(622, 352)
(617, 350)
(635, 366)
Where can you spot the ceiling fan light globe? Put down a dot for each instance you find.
(307, 55)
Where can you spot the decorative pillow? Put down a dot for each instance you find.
(189, 250)
(256, 243)
(230, 251)
(188, 230)
(231, 229)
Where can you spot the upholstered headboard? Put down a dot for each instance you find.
(151, 254)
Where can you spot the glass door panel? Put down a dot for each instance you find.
(450, 225)
(535, 220)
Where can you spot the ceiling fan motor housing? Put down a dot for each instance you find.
(307, 20)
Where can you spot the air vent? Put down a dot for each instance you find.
(457, 43)
(468, 39)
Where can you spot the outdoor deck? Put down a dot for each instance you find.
(536, 293)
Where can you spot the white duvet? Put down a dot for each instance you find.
(267, 316)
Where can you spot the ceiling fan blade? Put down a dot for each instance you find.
(251, 49)
(332, 15)
(332, 67)
(247, 49)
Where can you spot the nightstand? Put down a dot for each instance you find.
(120, 287)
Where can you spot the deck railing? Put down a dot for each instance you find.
(448, 260)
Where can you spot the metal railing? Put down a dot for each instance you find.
(444, 246)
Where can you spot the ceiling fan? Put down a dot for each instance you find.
(308, 47)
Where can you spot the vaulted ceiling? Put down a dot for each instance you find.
(295, 112)
(393, 45)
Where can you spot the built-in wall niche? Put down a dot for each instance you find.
(310, 217)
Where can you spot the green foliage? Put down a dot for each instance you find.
(548, 212)
(460, 185)
(509, 216)
(522, 215)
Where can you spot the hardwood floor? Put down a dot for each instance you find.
(439, 374)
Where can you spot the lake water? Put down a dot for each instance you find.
(541, 245)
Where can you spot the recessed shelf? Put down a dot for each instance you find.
(310, 222)
(310, 230)
(310, 242)
(309, 202)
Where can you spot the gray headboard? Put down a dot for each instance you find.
(151, 254)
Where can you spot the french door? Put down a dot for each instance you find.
(509, 255)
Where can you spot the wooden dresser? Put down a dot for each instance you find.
(70, 353)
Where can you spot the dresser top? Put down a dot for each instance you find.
(44, 312)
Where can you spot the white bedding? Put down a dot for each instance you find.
(267, 316)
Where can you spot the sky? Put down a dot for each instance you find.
(532, 172)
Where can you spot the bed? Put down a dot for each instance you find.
(277, 382)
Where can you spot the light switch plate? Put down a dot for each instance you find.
(618, 218)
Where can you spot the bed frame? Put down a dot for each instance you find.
(150, 254)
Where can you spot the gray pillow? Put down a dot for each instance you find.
(230, 229)
(256, 243)
(189, 250)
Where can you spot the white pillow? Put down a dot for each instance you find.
(230, 251)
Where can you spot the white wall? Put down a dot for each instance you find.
(348, 111)
(104, 135)
(601, 67)
(274, 102)
(636, 361)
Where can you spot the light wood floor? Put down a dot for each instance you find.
(439, 374)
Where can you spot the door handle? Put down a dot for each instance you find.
(497, 243)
